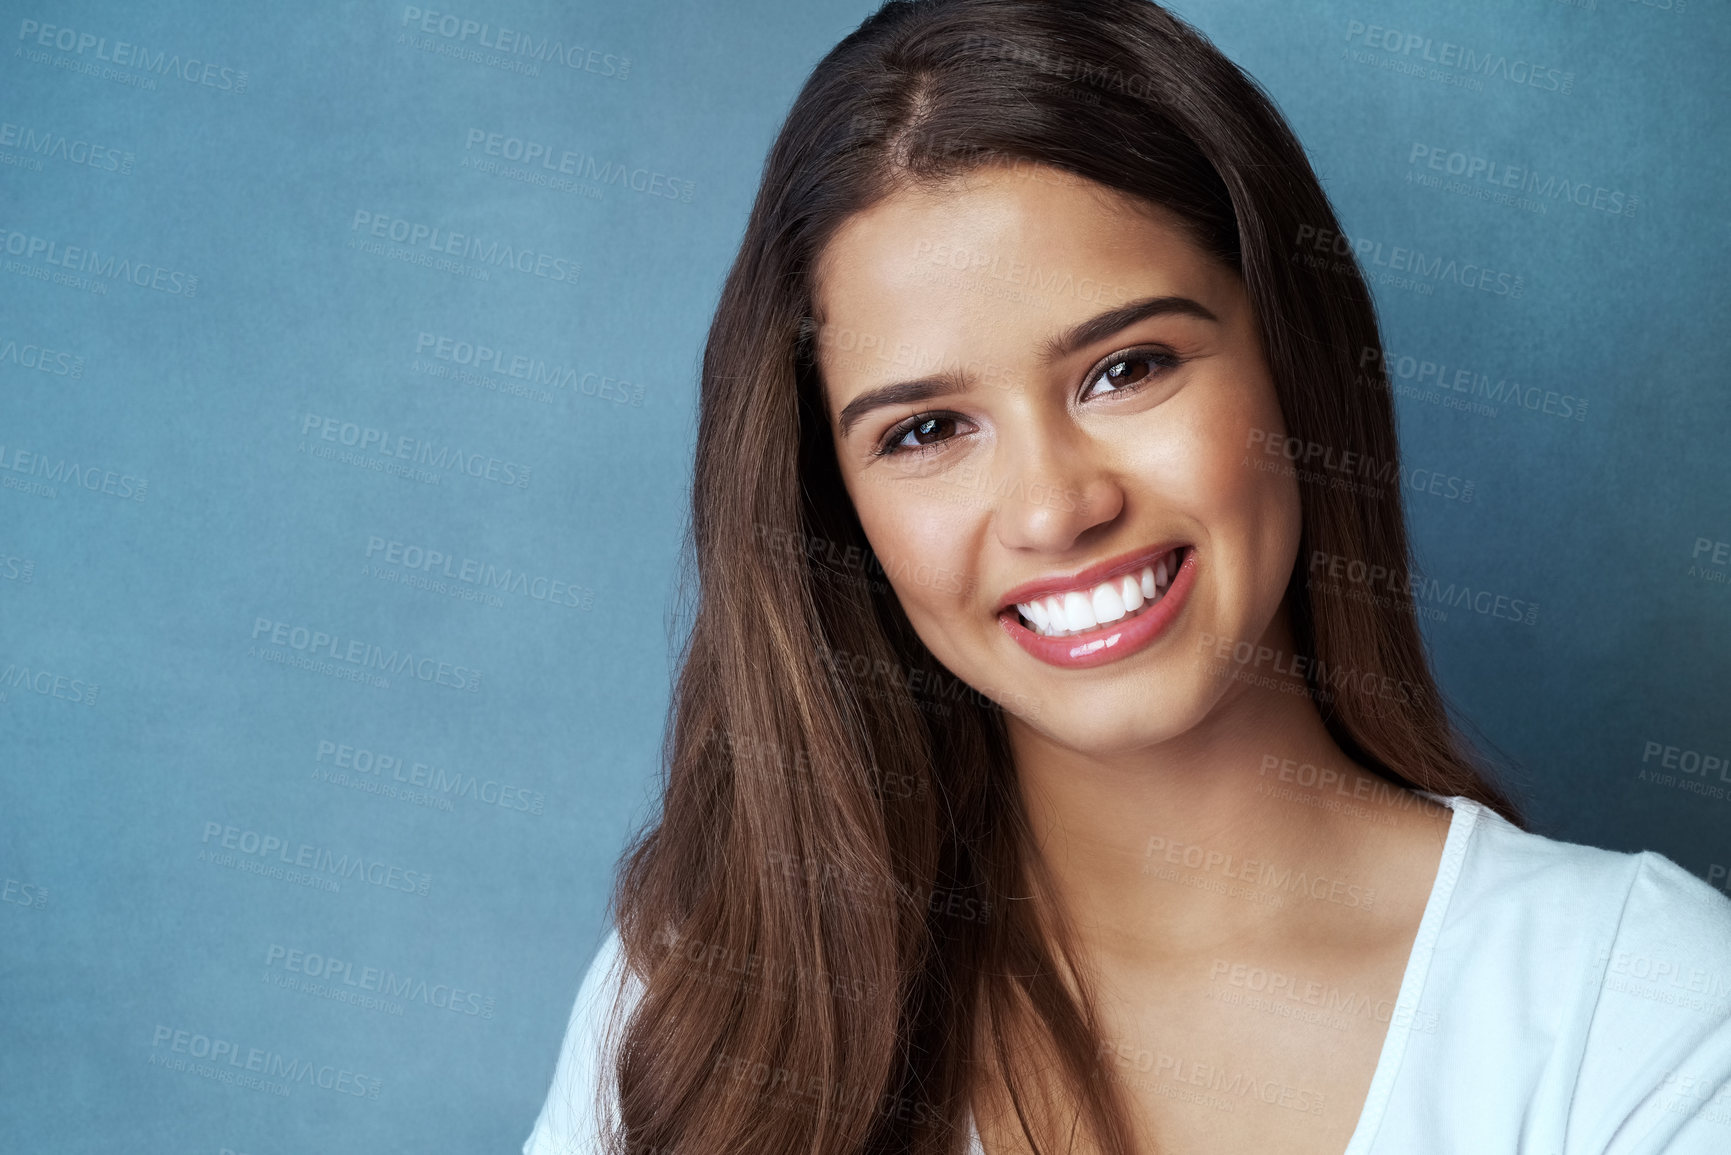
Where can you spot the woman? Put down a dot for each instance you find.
(1051, 767)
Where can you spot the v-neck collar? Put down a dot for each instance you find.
(1461, 825)
(1462, 821)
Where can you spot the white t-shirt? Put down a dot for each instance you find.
(1560, 999)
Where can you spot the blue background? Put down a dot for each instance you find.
(171, 498)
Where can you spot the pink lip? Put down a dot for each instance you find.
(1109, 642)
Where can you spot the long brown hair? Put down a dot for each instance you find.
(822, 914)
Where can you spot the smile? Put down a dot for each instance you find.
(1106, 618)
(1076, 611)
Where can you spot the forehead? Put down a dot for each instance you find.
(1002, 254)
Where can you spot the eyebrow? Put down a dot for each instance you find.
(1079, 336)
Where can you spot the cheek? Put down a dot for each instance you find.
(1212, 462)
(1223, 472)
(919, 539)
(1241, 482)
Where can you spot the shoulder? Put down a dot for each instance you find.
(1613, 966)
(1616, 901)
(1657, 1069)
(581, 1103)
(1524, 916)
(1672, 912)
(1564, 901)
(1524, 866)
(1519, 901)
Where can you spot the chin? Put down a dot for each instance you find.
(1095, 722)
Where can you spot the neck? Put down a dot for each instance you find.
(1220, 835)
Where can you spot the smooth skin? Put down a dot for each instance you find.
(1141, 775)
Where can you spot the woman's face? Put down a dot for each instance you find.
(1038, 388)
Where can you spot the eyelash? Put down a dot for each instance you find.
(887, 447)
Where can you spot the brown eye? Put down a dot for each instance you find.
(1131, 370)
(926, 429)
(1127, 372)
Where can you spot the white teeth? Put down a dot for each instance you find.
(1035, 611)
(1036, 614)
(1108, 603)
(1074, 611)
(1130, 589)
(1079, 611)
(1055, 615)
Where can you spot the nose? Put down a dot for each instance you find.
(1053, 491)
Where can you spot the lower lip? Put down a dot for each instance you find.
(1112, 641)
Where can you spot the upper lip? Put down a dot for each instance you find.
(1089, 576)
